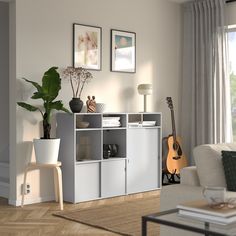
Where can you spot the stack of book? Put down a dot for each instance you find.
(111, 121)
(200, 210)
(142, 124)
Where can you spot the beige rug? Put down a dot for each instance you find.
(122, 218)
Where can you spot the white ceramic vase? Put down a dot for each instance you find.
(46, 150)
(100, 107)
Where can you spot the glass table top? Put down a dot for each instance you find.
(172, 218)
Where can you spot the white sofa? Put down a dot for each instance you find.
(207, 172)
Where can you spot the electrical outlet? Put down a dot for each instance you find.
(27, 188)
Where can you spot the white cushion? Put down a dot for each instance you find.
(209, 164)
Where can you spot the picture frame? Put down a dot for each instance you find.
(87, 46)
(123, 51)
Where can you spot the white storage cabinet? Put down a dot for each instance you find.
(87, 175)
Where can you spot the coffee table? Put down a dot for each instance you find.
(172, 219)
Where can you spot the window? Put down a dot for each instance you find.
(232, 67)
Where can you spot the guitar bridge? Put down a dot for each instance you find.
(176, 158)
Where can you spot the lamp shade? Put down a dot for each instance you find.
(145, 89)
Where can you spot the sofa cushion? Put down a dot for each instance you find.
(208, 160)
(229, 164)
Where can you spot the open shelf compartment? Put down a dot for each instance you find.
(144, 120)
(94, 120)
(117, 137)
(118, 117)
(153, 117)
(88, 146)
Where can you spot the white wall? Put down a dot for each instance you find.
(4, 81)
(44, 39)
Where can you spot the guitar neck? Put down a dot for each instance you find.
(173, 125)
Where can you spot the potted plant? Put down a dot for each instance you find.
(77, 77)
(46, 149)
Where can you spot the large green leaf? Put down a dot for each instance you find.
(27, 106)
(51, 84)
(38, 95)
(58, 105)
(35, 84)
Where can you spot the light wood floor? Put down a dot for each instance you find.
(37, 219)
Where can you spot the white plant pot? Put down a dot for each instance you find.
(46, 150)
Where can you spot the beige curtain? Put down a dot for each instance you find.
(205, 115)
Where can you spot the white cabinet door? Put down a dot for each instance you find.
(142, 154)
(113, 178)
(87, 182)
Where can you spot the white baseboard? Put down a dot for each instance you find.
(17, 202)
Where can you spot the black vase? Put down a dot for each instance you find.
(76, 105)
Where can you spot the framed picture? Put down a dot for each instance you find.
(123, 51)
(87, 46)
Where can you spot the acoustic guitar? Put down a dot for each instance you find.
(176, 159)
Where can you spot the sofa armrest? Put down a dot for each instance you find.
(189, 176)
(170, 197)
(174, 194)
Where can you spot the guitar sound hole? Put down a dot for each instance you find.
(177, 148)
(180, 151)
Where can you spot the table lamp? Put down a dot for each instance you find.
(145, 89)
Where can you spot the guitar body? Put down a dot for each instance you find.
(176, 159)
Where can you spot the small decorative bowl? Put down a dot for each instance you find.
(82, 124)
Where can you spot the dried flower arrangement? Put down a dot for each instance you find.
(77, 77)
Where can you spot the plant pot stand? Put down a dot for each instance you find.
(57, 180)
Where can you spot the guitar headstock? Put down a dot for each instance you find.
(170, 103)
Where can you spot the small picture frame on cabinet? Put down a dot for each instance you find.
(87, 46)
(123, 51)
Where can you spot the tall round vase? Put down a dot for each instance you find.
(76, 105)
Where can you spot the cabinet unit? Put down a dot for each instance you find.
(109, 154)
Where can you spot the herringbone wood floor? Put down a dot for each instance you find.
(38, 219)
